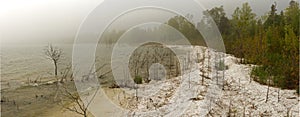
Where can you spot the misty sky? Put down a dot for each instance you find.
(57, 21)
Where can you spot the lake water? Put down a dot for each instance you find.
(22, 62)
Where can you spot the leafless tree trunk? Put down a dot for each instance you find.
(55, 67)
(267, 97)
(223, 73)
(189, 68)
(136, 92)
(170, 64)
(208, 69)
(217, 64)
(202, 67)
(278, 94)
(136, 61)
(177, 68)
(54, 54)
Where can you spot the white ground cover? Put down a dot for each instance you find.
(236, 94)
(223, 92)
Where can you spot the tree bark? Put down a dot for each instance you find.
(268, 90)
(278, 93)
(55, 67)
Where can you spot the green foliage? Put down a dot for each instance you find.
(273, 45)
(292, 14)
(188, 29)
(221, 66)
(243, 20)
(138, 80)
(219, 17)
(272, 41)
(259, 74)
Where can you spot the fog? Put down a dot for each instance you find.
(57, 21)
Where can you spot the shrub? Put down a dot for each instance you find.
(138, 80)
(260, 75)
(221, 66)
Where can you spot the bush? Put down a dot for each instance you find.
(138, 80)
(221, 66)
(260, 75)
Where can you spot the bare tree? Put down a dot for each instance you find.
(64, 76)
(202, 69)
(208, 61)
(54, 54)
(170, 64)
(79, 107)
(269, 81)
(189, 67)
(67, 71)
(70, 94)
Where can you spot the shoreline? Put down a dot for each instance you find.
(39, 100)
(30, 100)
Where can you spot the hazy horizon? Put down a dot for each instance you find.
(56, 21)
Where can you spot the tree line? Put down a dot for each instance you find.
(270, 41)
